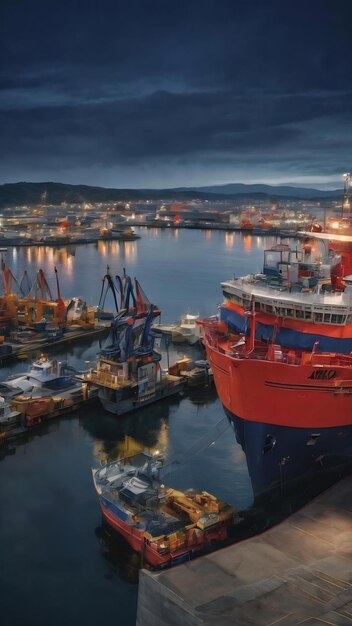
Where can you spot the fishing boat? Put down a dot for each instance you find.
(43, 373)
(291, 409)
(302, 299)
(164, 525)
(128, 373)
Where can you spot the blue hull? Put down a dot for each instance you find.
(286, 337)
(278, 456)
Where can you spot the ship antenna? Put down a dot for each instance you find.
(57, 284)
(251, 314)
(346, 202)
(314, 349)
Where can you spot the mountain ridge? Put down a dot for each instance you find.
(24, 193)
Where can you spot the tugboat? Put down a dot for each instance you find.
(291, 409)
(128, 373)
(164, 525)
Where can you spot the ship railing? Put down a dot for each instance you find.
(106, 379)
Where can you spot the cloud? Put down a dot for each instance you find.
(130, 85)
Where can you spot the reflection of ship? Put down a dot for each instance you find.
(128, 373)
(119, 554)
(292, 410)
(165, 525)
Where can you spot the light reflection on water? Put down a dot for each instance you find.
(50, 523)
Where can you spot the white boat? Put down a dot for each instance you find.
(43, 373)
(186, 330)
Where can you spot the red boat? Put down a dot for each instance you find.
(165, 525)
(292, 410)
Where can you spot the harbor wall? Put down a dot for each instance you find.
(299, 571)
(160, 606)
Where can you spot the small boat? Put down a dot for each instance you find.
(164, 525)
(186, 330)
(44, 373)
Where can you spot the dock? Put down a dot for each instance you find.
(71, 335)
(298, 572)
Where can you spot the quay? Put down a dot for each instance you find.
(298, 572)
(71, 335)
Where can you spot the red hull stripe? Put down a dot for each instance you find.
(307, 387)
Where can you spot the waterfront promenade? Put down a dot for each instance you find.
(299, 572)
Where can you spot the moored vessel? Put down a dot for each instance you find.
(300, 298)
(291, 409)
(128, 373)
(164, 525)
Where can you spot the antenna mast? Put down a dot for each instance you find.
(346, 202)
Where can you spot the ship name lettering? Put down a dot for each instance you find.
(323, 374)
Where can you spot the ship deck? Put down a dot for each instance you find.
(297, 572)
(261, 288)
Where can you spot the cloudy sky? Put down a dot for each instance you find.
(161, 93)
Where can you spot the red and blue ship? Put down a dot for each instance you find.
(280, 351)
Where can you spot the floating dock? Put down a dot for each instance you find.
(38, 410)
(72, 334)
(299, 572)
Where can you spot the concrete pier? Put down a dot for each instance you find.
(299, 572)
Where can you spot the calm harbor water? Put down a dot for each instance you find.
(57, 563)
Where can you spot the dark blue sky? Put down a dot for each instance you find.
(171, 92)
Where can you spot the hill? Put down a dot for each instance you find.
(22, 193)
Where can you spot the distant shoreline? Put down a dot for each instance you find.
(82, 240)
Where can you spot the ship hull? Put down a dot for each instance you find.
(288, 333)
(134, 536)
(292, 421)
(114, 518)
(115, 403)
(291, 461)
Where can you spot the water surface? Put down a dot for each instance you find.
(57, 565)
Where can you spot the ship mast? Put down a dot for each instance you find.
(346, 202)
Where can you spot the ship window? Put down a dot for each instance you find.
(269, 443)
(312, 440)
(307, 315)
(327, 318)
(290, 312)
(299, 315)
(318, 317)
(269, 308)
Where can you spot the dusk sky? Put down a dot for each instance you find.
(176, 93)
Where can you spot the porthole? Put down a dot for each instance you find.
(269, 443)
